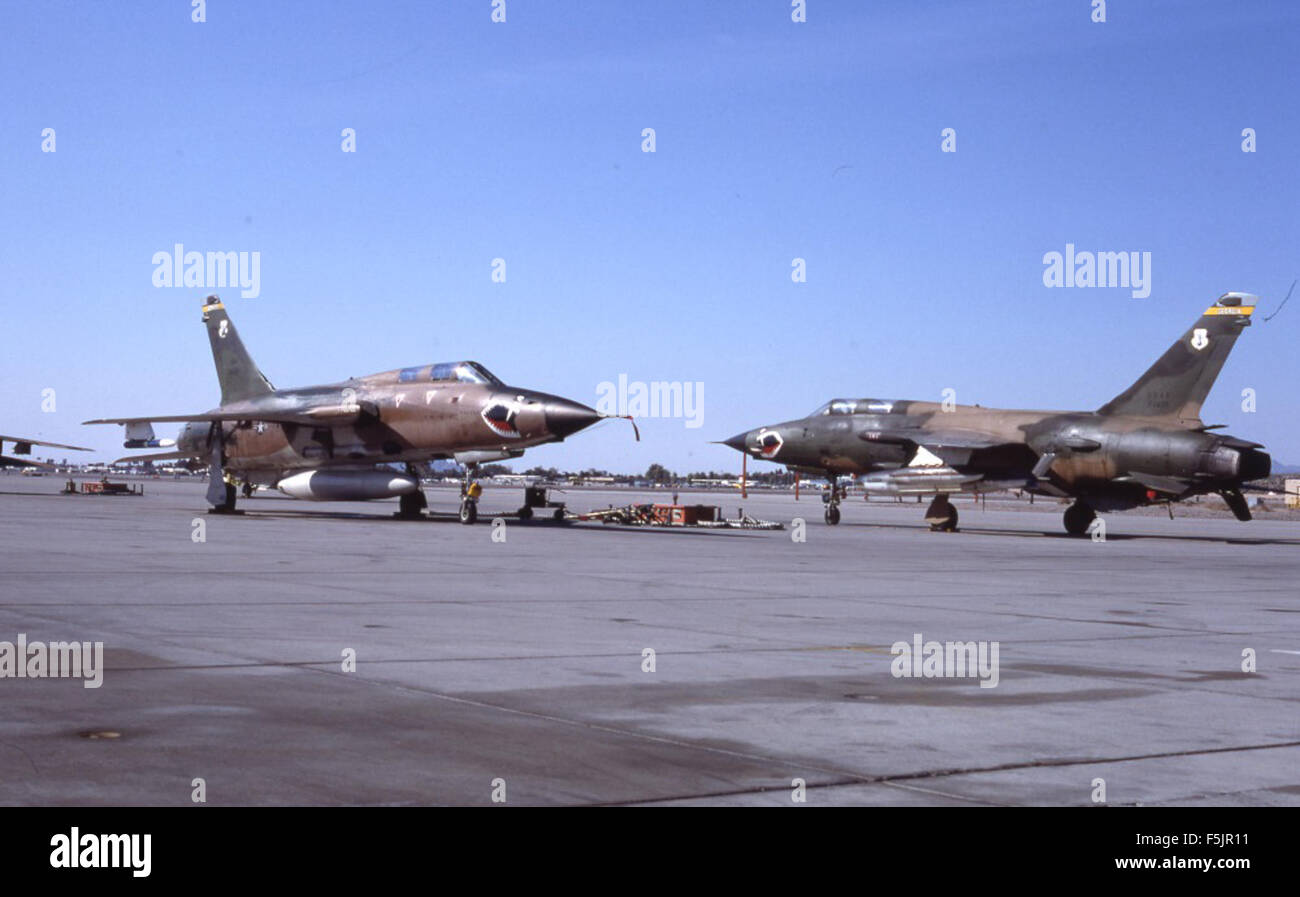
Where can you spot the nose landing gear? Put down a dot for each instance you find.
(469, 493)
(831, 497)
(469, 509)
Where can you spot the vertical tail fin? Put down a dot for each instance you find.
(238, 375)
(1177, 384)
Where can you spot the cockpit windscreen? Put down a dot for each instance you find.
(855, 406)
(453, 371)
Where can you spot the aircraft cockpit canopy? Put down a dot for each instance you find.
(855, 406)
(451, 371)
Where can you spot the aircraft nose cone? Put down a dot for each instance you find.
(738, 441)
(564, 418)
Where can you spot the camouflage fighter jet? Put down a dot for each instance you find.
(335, 442)
(1146, 445)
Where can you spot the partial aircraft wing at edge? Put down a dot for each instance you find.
(24, 441)
(7, 461)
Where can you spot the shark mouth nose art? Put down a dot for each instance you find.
(501, 418)
(769, 444)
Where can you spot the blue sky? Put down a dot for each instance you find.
(523, 141)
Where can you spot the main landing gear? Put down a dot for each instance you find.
(222, 491)
(227, 506)
(469, 494)
(411, 505)
(1078, 517)
(831, 498)
(941, 515)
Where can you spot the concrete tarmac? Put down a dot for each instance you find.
(485, 666)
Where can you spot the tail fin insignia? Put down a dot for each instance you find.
(1177, 384)
(239, 377)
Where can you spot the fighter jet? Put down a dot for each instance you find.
(337, 442)
(1147, 445)
(23, 446)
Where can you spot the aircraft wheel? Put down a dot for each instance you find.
(948, 525)
(525, 513)
(248, 489)
(941, 515)
(1078, 517)
(231, 495)
(832, 515)
(468, 512)
(559, 514)
(409, 505)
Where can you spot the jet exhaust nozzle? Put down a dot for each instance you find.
(1255, 465)
(1240, 463)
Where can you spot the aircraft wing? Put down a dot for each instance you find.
(328, 415)
(958, 448)
(23, 446)
(950, 440)
(158, 456)
(7, 461)
(160, 419)
(21, 441)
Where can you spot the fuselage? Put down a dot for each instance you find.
(1093, 455)
(405, 416)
